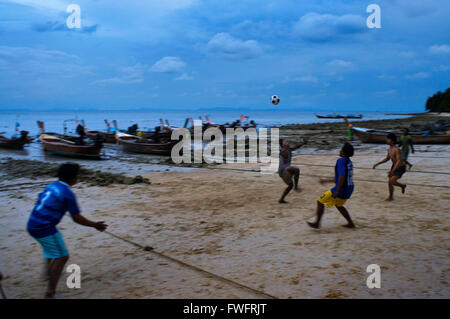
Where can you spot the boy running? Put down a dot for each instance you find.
(52, 204)
(289, 174)
(343, 189)
(398, 167)
(406, 143)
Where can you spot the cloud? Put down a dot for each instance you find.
(306, 79)
(441, 68)
(223, 44)
(54, 26)
(168, 64)
(407, 54)
(32, 63)
(440, 49)
(127, 75)
(340, 64)
(418, 76)
(325, 27)
(184, 77)
(386, 77)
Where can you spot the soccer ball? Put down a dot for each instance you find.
(275, 99)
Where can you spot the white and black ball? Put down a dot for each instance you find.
(275, 99)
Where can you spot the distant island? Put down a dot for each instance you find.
(440, 102)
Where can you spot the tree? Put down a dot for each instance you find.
(440, 102)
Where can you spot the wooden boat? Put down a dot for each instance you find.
(15, 143)
(338, 116)
(147, 147)
(62, 147)
(378, 136)
(106, 137)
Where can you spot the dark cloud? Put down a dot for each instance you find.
(54, 26)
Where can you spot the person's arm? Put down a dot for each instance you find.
(80, 219)
(339, 185)
(72, 207)
(383, 161)
(412, 145)
(305, 141)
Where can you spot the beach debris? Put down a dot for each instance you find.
(35, 169)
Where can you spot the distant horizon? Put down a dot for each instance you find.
(269, 109)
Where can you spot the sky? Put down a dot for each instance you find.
(190, 54)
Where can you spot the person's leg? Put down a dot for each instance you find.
(394, 181)
(55, 269)
(391, 190)
(46, 268)
(346, 215)
(286, 191)
(319, 213)
(295, 171)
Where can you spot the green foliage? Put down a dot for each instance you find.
(440, 102)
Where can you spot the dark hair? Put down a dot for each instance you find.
(392, 137)
(68, 171)
(348, 149)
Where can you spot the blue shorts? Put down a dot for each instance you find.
(53, 246)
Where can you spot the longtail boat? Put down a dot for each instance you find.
(58, 146)
(144, 146)
(17, 143)
(338, 116)
(379, 136)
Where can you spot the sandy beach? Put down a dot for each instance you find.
(227, 220)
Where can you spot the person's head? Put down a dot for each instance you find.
(284, 142)
(391, 139)
(68, 173)
(347, 150)
(405, 131)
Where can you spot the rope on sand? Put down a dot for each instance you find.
(368, 168)
(311, 175)
(182, 263)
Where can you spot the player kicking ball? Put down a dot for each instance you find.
(343, 189)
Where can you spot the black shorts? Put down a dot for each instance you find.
(400, 171)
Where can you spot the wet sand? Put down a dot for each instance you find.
(229, 222)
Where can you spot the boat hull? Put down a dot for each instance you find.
(379, 137)
(70, 150)
(130, 146)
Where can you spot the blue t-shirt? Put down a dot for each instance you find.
(52, 204)
(344, 166)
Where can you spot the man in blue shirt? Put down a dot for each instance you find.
(343, 189)
(52, 204)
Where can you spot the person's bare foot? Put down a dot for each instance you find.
(389, 199)
(349, 225)
(410, 166)
(403, 189)
(313, 225)
(298, 189)
(282, 201)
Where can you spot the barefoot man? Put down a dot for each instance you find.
(289, 174)
(343, 189)
(398, 165)
(52, 204)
